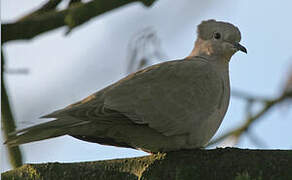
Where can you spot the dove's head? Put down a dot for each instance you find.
(218, 40)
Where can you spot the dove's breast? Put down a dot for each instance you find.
(169, 106)
(208, 127)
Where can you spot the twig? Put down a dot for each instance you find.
(250, 120)
(246, 96)
(71, 17)
(256, 140)
(8, 124)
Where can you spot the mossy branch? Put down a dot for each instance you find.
(228, 163)
(47, 19)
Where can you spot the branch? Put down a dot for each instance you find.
(72, 2)
(49, 6)
(7, 121)
(228, 163)
(73, 16)
(251, 119)
(246, 96)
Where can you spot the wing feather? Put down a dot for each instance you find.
(169, 97)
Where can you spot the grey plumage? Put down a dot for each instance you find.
(168, 106)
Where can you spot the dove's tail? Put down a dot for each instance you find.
(42, 131)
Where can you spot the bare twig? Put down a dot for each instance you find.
(246, 96)
(71, 17)
(8, 124)
(256, 140)
(288, 84)
(143, 48)
(250, 120)
(16, 71)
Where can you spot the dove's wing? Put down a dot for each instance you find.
(169, 97)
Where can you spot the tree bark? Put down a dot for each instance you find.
(227, 163)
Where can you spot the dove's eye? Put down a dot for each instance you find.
(217, 35)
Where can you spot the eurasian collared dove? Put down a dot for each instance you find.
(169, 106)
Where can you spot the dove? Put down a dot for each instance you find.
(169, 106)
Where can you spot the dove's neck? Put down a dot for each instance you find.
(205, 49)
(222, 68)
(220, 63)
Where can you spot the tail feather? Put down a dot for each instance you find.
(42, 131)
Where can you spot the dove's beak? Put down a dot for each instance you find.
(240, 47)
